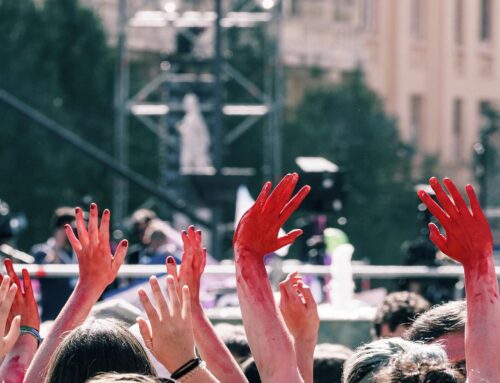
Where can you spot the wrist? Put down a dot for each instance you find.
(88, 290)
(173, 364)
(31, 332)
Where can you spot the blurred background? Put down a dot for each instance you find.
(184, 108)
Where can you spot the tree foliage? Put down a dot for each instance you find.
(346, 124)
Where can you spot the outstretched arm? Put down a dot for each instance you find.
(169, 332)
(211, 348)
(256, 236)
(300, 313)
(468, 240)
(19, 358)
(97, 269)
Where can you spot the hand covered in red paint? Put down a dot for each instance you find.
(97, 266)
(169, 332)
(24, 304)
(7, 295)
(258, 229)
(468, 237)
(193, 264)
(299, 310)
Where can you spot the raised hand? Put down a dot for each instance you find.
(257, 231)
(24, 304)
(469, 241)
(169, 332)
(299, 308)
(468, 236)
(97, 266)
(7, 295)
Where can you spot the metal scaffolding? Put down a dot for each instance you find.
(153, 115)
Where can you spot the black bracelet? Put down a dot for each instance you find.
(186, 368)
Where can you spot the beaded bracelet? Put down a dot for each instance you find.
(186, 368)
(33, 332)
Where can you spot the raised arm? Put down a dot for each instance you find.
(169, 333)
(97, 269)
(468, 240)
(19, 358)
(256, 236)
(300, 313)
(215, 353)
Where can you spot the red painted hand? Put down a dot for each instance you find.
(192, 266)
(97, 267)
(299, 309)
(24, 304)
(258, 229)
(468, 237)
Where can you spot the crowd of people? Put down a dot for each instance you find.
(453, 342)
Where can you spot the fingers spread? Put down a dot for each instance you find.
(175, 305)
(186, 302)
(9, 267)
(282, 193)
(443, 198)
(83, 235)
(457, 196)
(289, 238)
(120, 254)
(293, 204)
(75, 243)
(146, 333)
(437, 238)
(159, 297)
(93, 225)
(104, 228)
(262, 198)
(151, 312)
(434, 208)
(474, 202)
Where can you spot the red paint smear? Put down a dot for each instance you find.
(16, 371)
(41, 272)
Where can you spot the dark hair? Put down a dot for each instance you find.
(399, 308)
(235, 340)
(438, 321)
(122, 378)
(250, 370)
(329, 362)
(404, 369)
(102, 345)
(62, 216)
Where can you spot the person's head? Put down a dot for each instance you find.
(443, 324)
(140, 220)
(397, 312)
(250, 370)
(62, 216)
(421, 363)
(370, 358)
(235, 340)
(329, 362)
(155, 235)
(95, 347)
(113, 377)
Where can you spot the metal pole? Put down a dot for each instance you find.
(121, 187)
(100, 156)
(278, 96)
(218, 131)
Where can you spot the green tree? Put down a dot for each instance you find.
(346, 124)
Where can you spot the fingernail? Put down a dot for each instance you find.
(92, 206)
(170, 259)
(77, 210)
(106, 212)
(125, 243)
(67, 226)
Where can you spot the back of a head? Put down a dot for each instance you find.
(235, 340)
(113, 377)
(329, 362)
(438, 321)
(423, 364)
(97, 347)
(250, 370)
(397, 312)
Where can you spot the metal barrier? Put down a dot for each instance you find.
(359, 271)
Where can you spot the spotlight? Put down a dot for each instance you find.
(268, 4)
(170, 6)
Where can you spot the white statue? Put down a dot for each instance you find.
(195, 138)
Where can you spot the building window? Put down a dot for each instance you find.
(368, 15)
(416, 119)
(458, 145)
(416, 19)
(485, 24)
(459, 22)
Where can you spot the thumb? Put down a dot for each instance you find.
(14, 332)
